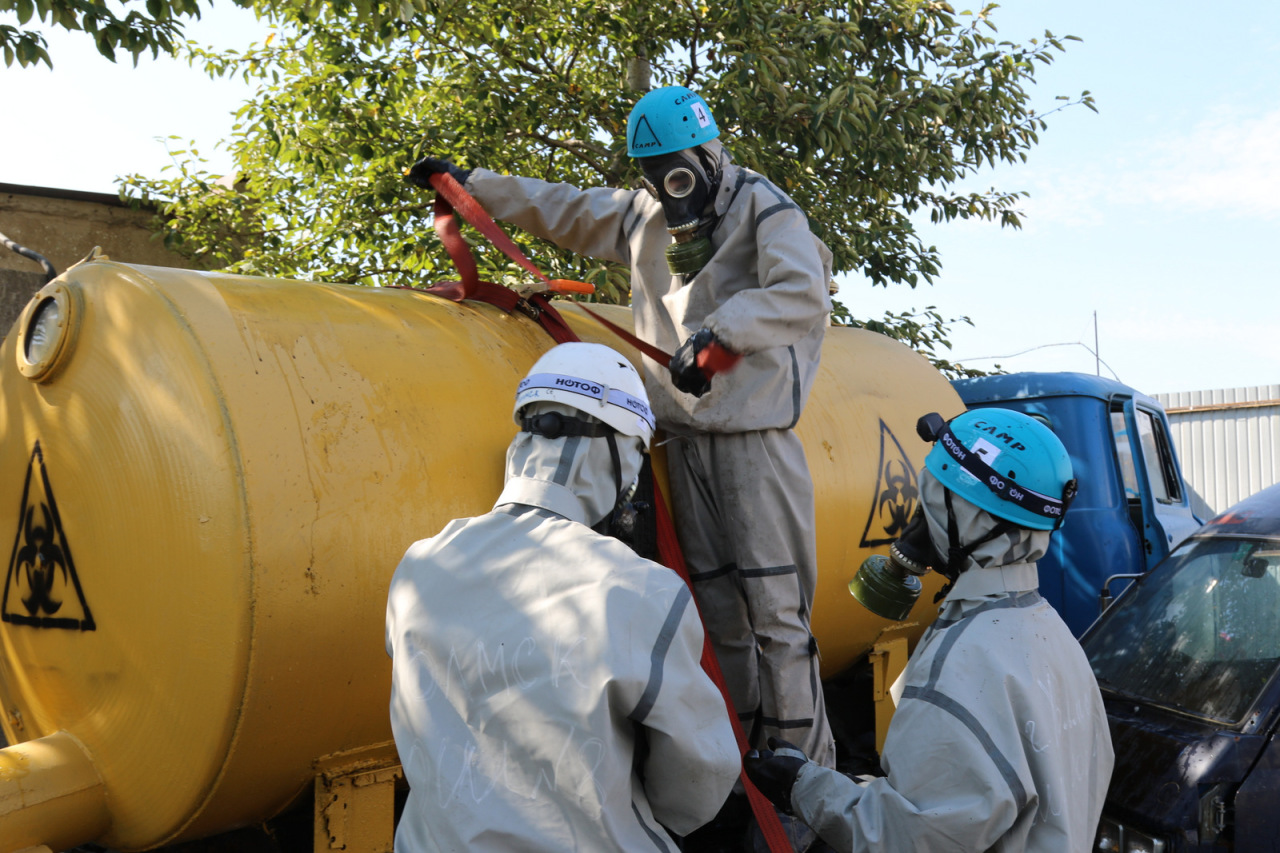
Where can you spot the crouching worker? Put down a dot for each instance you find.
(546, 687)
(999, 741)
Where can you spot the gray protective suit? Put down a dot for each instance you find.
(741, 492)
(546, 687)
(1000, 740)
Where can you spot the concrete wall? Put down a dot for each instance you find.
(64, 226)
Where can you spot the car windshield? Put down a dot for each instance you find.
(1200, 634)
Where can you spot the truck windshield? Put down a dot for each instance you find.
(1200, 634)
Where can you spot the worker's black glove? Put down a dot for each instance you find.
(774, 771)
(420, 172)
(686, 374)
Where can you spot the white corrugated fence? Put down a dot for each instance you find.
(1228, 442)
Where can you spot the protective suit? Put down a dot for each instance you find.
(1000, 740)
(547, 693)
(741, 492)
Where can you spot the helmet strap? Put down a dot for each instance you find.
(556, 425)
(958, 555)
(620, 523)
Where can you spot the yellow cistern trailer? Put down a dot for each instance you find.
(209, 480)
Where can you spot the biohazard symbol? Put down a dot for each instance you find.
(644, 137)
(897, 492)
(42, 588)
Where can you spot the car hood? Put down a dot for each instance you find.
(1165, 762)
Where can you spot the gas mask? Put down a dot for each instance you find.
(682, 181)
(622, 522)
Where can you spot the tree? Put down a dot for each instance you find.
(866, 111)
(157, 29)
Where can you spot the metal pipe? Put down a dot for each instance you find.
(50, 795)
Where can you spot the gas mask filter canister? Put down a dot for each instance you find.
(889, 586)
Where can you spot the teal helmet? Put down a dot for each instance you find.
(669, 119)
(1004, 462)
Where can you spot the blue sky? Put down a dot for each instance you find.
(1161, 213)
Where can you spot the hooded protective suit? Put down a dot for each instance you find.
(1000, 740)
(741, 492)
(547, 693)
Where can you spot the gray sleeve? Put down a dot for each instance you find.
(824, 799)
(793, 268)
(944, 791)
(591, 222)
(693, 756)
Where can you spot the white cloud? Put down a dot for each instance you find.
(1226, 165)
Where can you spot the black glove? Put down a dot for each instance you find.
(774, 771)
(420, 173)
(685, 373)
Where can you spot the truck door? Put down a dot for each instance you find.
(1149, 471)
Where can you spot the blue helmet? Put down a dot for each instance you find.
(1004, 462)
(669, 119)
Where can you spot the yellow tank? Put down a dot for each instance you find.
(210, 479)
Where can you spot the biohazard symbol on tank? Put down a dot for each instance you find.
(897, 491)
(42, 588)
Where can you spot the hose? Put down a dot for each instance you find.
(49, 272)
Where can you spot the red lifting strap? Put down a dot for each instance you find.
(450, 197)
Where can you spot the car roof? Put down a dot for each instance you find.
(1256, 515)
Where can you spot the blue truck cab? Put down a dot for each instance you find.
(1133, 505)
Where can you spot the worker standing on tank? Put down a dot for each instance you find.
(547, 692)
(722, 262)
(1000, 739)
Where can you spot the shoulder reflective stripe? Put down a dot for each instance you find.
(949, 638)
(1023, 599)
(738, 185)
(594, 390)
(773, 190)
(658, 840)
(795, 387)
(961, 713)
(658, 659)
(777, 208)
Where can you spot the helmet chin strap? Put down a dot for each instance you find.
(620, 523)
(958, 555)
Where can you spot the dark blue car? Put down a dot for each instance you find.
(1187, 660)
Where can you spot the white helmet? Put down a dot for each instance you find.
(593, 379)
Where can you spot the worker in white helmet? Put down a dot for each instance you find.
(547, 693)
(721, 260)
